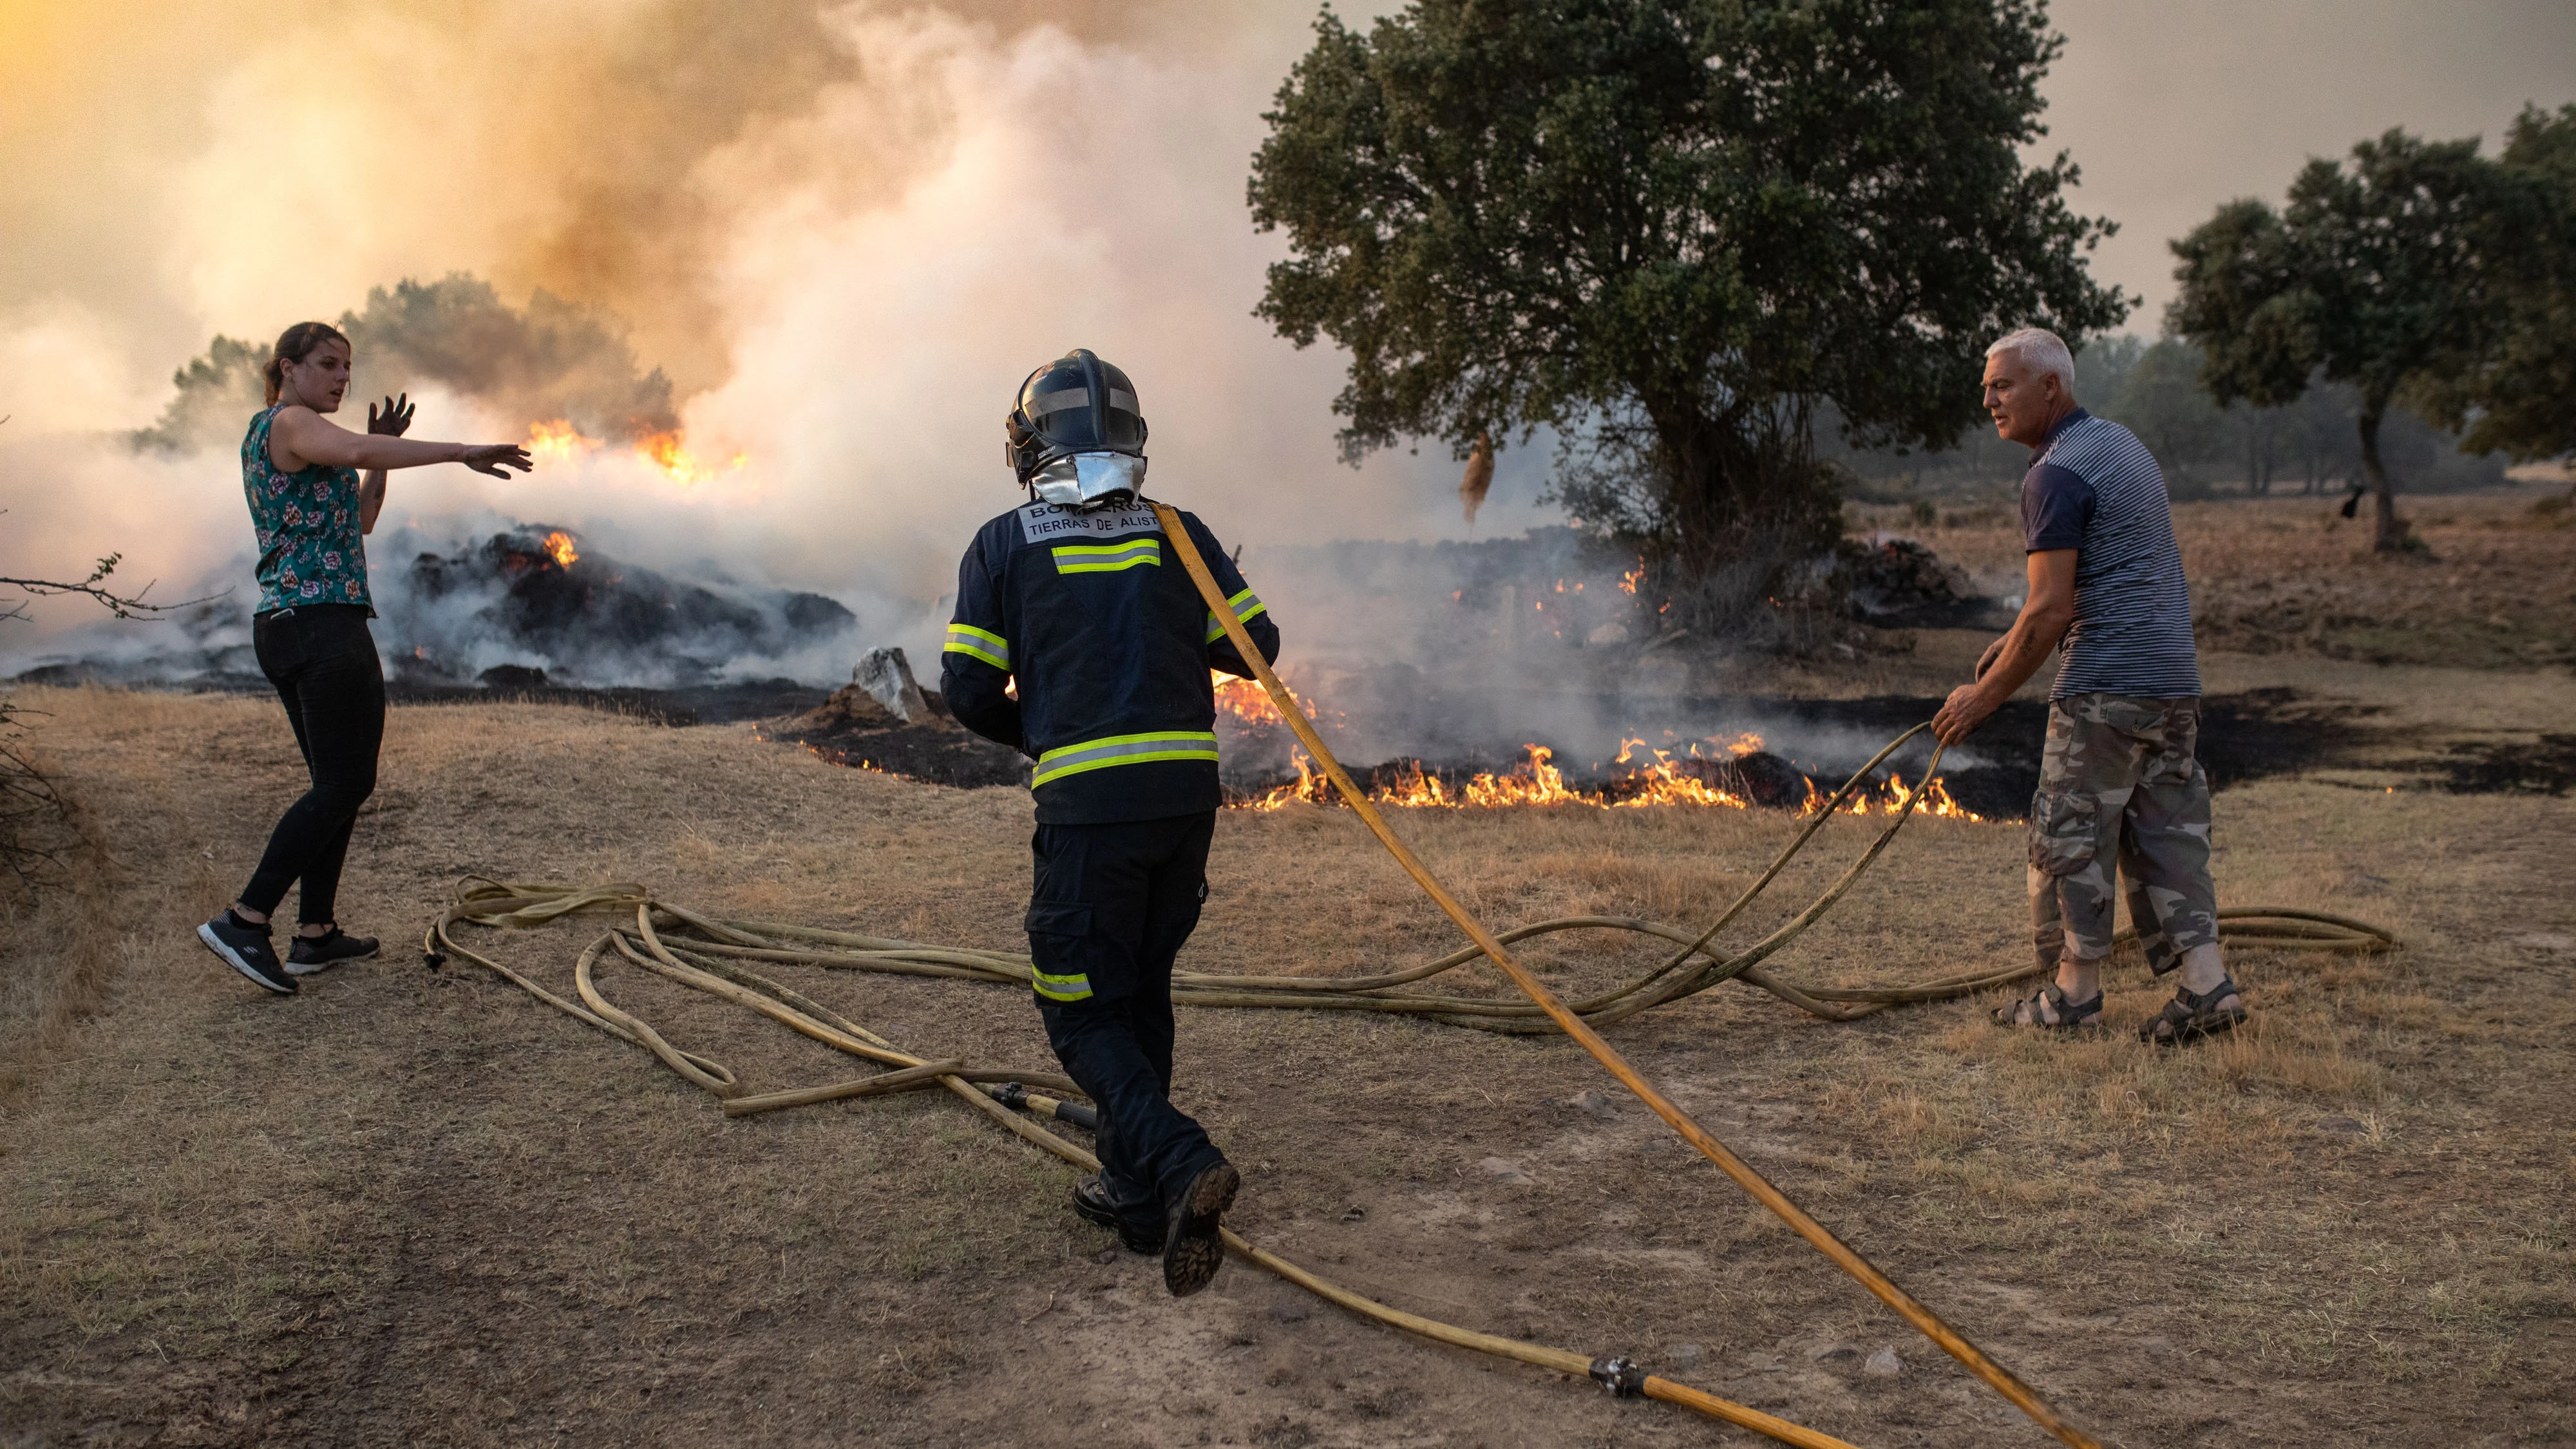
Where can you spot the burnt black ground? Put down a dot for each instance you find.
(942, 754)
(2255, 735)
(2490, 767)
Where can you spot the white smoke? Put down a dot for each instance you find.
(876, 256)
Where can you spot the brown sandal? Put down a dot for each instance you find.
(2192, 1015)
(2038, 1009)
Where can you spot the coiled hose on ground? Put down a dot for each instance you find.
(712, 955)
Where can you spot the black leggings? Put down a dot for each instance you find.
(323, 662)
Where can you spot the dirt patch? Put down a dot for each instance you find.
(2491, 590)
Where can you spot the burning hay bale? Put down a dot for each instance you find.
(544, 592)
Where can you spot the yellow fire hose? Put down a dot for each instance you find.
(1951, 1341)
(694, 964)
(708, 957)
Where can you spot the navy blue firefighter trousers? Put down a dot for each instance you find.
(1111, 907)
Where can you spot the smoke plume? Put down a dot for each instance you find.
(840, 235)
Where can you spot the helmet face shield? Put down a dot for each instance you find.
(1090, 480)
(1074, 405)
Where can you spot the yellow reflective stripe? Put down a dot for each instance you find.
(977, 643)
(1100, 754)
(1242, 614)
(1107, 558)
(1060, 988)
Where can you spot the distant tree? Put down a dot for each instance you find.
(2102, 367)
(2163, 402)
(550, 360)
(2520, 400)
(1674, 228)
(2378, 274)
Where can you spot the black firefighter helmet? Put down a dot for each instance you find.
(1077, 435)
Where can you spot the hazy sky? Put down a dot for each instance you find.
(2173, 106)
(848, 229)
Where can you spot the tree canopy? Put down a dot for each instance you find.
(2520, 397)
(1673, 228)
(2382, 273)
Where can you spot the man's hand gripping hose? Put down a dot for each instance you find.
(1951, 1341)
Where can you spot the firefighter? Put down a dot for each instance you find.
(1080, 642)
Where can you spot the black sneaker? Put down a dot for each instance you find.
(1192, 1251)
(246, 949)
(1091, 1204)
(320, 953)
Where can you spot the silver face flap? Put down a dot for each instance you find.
(1090, 480)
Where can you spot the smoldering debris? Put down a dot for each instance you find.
(884, 720)
(542, 595)
(1895, 581)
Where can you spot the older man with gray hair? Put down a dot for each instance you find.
(2118, 783)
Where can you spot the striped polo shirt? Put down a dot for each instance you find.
(2096, 489)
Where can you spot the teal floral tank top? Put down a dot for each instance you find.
(311, 550)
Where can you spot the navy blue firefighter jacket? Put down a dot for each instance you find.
(1110, 647)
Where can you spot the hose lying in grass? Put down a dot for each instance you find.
(708, 958)
(716, 956)
(709, 955)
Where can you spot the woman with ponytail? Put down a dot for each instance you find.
(312, 508)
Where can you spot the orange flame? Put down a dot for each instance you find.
(1537, 780)
(670, 453)
(1891, 800)
(558, 442)
(559, 545)
(1247, 701)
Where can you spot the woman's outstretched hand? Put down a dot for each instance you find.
(496, 458)
(396, 419)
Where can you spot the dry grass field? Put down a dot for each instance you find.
(416, 1207)
(2289, 575)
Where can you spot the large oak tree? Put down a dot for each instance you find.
(2387, 273)
(1674, 228)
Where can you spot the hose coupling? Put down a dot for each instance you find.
(1011, 1094)
(1623, 1376)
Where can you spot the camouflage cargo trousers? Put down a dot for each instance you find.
(2119, 784)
